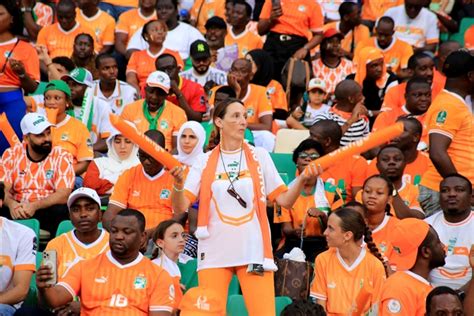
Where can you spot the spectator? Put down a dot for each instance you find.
(262, 70)
(38, 176)
(214, 305)
(222, 56)
(36, 15)
(146, 186)
(257, 104)
(303, 117)
(18, 253)
(330, 10)
(287, 26)
(203, 10)
(303, 308)
(154, 112)
(395, 52)
(309, 215)
(101, 22)
(191, 138)
(331, 66)
(188, 95)
(130, 21)
(59, 37)
(455, 227)
(92, 112)
(85, 241)
(349, 112)
(416, 251)
(347, 269)
(450, 130)
(346, 177)
(123, 264)
(142, 63)
(20, 68)
(238, 32)
(180, 35)
(103, 172)
(117, 94)
(83, 53)
(444, 50)
(443, 300)
(415, 25)
(202, 71)
(350, 27)
(374, 9)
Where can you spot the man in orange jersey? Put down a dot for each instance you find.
(443, 300)
(38, 176)
(450, 129)
(146, 187)
(202, 10)
(85, 241)
(416, 251)
(187, 94)
(372, 10)
(348, 176)
(118, 282)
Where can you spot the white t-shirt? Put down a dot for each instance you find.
(169, 265)
(123, 94)
(214, 74)
(179, 39)
(458, 238)
(330, 8)
(239, 241)
(310, 114)
(417, 32)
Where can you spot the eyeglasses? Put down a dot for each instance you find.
(304, 155)
(235, 195)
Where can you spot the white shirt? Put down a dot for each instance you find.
(123, 94)
(417, 32)
(214, 74)
(179, 39)
(310, 114)
(458, 238)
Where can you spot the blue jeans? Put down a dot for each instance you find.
(7, 310)
(113, 10)
(13, 105)
(429, 200)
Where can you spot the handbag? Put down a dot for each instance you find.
(293, 279)
(295, 74)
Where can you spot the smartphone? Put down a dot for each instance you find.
(50, 260)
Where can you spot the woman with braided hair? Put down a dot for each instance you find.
(348, 277)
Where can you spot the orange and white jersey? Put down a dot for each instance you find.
(341, 285)
(103, 26)
(332, 76)
(107, 287)
(173, 270)
(457, 238)
(235, 236)
(246, 41)
(70, 250)
(44, 14)
(17, 251)
(257, 103)
(382, 233)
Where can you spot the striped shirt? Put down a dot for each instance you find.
(214, 74)
(356, 131)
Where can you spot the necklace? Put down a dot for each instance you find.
(231, 189)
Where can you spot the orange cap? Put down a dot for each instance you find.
(407, 236)
(201, 301)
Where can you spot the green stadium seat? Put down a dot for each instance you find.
(32, 223)
(284, 165)
(31, 299)
(248, 136)
(236, 305)
(189, 276)
(66, 226)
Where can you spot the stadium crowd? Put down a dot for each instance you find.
(246, 95)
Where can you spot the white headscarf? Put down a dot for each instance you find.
(198, 130)
(111, 167)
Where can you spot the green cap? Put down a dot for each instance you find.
(58, 85)
(80, 75)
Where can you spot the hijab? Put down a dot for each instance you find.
(366, 56)
(198, 130)
(264, 63)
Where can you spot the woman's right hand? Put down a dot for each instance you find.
(178, 175)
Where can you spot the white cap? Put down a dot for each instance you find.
(83, 192)
(159, 79)
(34, 123)
(316, 83)
(81, 76)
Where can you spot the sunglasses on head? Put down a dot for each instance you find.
(304, 155)
(236, 196)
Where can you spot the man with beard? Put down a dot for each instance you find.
(38, 176)
(417, 250)
(121, 282)
(455, 227)
(222, 56)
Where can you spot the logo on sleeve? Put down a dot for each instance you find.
(394, 306)
(441, 117)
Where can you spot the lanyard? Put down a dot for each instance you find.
(152, 120)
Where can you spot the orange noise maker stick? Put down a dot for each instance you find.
(373, 140)
(146, 144)
(8, 131)
(51, 115)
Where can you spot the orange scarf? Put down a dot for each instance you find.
(366, 56)
(259, 201)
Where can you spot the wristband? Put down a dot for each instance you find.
(25, 9)
(177, 190)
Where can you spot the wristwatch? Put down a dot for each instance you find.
(25, 9)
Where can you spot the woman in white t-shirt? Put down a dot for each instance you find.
(233, 183)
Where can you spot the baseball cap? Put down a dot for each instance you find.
(80, 75)
(458, 64)
(34, 123)
(83, 192)
(201, 301)
(407, 236)
(58, 85)
(215, 22)
(200, 49)
(159, 79)
(331, 32)
(316, 83)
